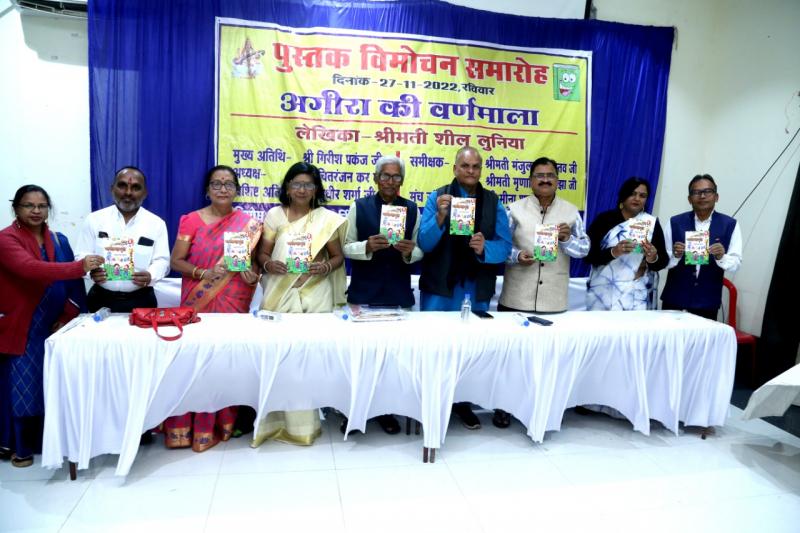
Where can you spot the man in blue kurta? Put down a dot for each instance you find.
(381, 270)
(698, 288)
(456, 265)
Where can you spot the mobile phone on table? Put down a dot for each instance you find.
(482, 314)
(540, 321)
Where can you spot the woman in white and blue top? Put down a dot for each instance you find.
(622, 277)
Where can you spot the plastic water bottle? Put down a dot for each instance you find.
(101, 314)
(466, 307)
(269, 316)
(521, 320)
(342, 312)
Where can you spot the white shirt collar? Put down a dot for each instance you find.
(697, 221)
(121, 217)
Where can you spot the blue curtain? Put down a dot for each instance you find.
(151, 73)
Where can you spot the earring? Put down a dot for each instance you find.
(208, 197)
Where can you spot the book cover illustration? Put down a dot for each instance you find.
(298, 253)
(236, 250)
(393, 222)
(462, 216)
(118, 255)
(696, 252)
(545, 243)
(638, 230)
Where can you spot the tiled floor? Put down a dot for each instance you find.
(594, 475)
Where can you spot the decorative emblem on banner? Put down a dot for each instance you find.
(566, 82)
(247, 63)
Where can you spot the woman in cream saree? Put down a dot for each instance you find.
(301, 251)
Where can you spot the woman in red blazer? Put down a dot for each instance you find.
(35, 300)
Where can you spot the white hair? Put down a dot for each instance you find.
(390, 160)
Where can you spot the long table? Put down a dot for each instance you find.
(107, 382)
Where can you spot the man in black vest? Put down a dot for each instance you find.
(698, 288)
(457, 265)
(381, 261)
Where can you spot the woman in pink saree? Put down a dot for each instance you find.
(209, 287)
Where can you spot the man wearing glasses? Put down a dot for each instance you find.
(381, 263)
(698, 288)
(531, 285)
(538, 286)
(126, 219)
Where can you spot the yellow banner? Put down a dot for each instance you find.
(342, 99)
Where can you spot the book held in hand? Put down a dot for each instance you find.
(118, 255)
(236, 249)
(545, 243)
(638, 230)
(462, 216)
(696, 252)
(393, 222)
(298, 254)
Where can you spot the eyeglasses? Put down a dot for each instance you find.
(545, 175)
(307, 185)
(397, 178)
(702, 192)
(32, 207)
(219, 185)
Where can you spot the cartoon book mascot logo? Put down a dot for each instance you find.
(566, 82)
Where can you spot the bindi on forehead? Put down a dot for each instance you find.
(129, 179)
(222, 175)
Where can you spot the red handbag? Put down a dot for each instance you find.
(153, 317)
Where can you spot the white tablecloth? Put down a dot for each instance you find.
(106, 383)
(775, 396)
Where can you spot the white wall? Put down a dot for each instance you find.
(733, 91)
(44, 98)
(529, 8)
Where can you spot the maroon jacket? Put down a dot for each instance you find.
(24, 277)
